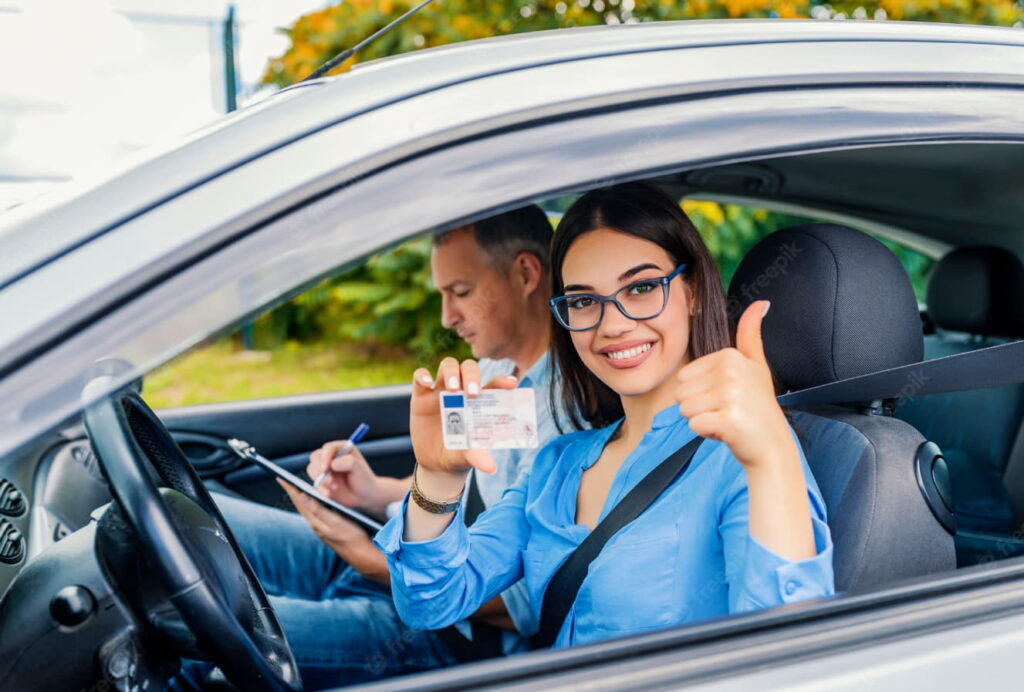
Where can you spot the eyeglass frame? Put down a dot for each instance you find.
(665, 281)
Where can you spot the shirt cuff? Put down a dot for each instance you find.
(774, 580)
(448, 550)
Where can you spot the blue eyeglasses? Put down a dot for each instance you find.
(640, 300)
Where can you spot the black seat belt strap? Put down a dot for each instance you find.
(985, 367)
(565, 585)
(474, 502)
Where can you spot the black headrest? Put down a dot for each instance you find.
(842, 305)
(978, 290)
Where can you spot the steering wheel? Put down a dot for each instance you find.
(186, 544)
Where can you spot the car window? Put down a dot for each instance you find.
(367, 326)
(373, 324)
(730, 230)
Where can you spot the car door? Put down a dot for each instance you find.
(287, 430)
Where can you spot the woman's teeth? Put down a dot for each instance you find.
(629, 352)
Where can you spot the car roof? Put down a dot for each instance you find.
(38, 233)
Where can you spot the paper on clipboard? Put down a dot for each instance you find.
(249, 453)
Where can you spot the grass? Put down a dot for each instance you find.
(223, 372)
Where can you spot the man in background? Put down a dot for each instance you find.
(329, 587)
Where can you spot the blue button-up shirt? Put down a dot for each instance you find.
(513, 466)
(689, 556)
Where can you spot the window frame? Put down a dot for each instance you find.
(290, 243)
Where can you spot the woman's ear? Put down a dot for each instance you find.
(527, 272)
(691, 297)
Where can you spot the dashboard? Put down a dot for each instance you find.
(46, 494)
(12, 506)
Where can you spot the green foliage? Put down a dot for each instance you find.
(320, 35)
(729, 230)
(391, 300)
(388, 302)
(221, 372)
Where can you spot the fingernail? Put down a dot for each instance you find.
(473, 388)
(426, 380)
(513, 378)
(767, 304)
(453, 382)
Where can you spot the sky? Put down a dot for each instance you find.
(102, 79)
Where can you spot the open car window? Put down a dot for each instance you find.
(368, 326)
(373, 324)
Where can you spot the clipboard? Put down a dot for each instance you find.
(249, 453)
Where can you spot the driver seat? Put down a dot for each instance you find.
(841, 306)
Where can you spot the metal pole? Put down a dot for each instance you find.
(231, 104)
(230, 77)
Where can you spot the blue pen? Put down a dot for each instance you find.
(352, 441)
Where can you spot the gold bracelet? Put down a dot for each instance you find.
(433, 506)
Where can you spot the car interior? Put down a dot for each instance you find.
(915, 485)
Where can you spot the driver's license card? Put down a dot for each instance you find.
(495, 419)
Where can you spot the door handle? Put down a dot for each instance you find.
(208, 454)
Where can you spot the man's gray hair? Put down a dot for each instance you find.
(501, 238)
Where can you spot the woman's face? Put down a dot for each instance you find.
(633, 357)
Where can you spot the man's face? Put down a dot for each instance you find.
(484, 307)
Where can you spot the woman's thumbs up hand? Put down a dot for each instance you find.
(729, 395)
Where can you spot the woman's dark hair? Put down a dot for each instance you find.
(643, 211)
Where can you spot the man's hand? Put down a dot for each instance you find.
(343, 536)
(352, 482)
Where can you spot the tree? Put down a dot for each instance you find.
(320, 35)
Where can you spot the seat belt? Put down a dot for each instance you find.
(487, 639)
(1013, 476)
(474, 506)
(986, 367)
(561, 591)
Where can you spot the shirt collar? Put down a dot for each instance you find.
(666, 417)
(537, 373)
(663, 419)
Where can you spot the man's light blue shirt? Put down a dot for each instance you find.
(689, 556)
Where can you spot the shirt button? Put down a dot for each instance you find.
(791, 587)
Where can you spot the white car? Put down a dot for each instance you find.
(912, 132)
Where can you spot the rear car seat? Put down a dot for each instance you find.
(975, 298)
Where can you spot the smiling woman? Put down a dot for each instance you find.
(651, 381)
(593, 227)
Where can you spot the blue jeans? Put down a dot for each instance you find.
(342, 627)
